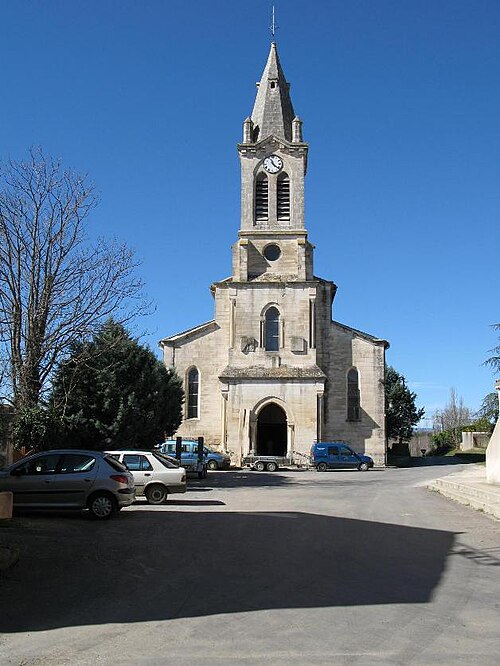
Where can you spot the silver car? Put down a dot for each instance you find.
(70, 479)
(155, 474)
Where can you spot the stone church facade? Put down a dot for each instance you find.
(272, 373)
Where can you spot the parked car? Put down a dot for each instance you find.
(70, 479)
(338, 455)
(216, 460)
(155, 475)
(189, 455)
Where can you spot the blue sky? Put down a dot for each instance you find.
(400, 102)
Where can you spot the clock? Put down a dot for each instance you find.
(273, 164)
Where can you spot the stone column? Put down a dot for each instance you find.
(493, 450)
(290, 437)
(232, 321)
(319, 417)
(224, 393)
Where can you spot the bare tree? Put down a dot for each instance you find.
(453, 416)
(56, 288)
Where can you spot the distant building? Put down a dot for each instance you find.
(272, 373)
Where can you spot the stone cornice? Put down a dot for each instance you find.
(202, 329)
(257, 372)
(366, 336)
(282, 233)
(231, 283)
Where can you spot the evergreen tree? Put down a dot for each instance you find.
(400, 409)
(494, 360)
(113, 393)
(488, 411)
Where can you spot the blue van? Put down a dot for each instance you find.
(216, 460)
(189, 456)
(338, 455)
(213, 459)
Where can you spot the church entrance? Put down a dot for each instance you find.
(271, 431)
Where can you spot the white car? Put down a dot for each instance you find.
(155, 474)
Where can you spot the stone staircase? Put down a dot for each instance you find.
(470, 489)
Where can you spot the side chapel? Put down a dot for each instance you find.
(272, 373)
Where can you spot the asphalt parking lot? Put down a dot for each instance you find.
(295, 566)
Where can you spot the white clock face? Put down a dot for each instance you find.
(273, 164)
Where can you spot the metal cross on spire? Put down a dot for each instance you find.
(273, 27)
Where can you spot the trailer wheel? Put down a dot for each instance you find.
(259, 466)
(271, 466)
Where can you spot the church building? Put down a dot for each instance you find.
(272, 373)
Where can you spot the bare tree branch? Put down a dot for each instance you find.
(55, 288)
(454, 416)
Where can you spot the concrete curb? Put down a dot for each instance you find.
(8, 557)
(470, 488)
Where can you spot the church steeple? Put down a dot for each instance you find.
(273, 112)
(272, 243)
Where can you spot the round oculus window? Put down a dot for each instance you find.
(272, 252)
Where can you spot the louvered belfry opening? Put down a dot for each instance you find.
(283, 197)
(261, 198)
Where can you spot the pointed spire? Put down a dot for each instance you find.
(273, 111)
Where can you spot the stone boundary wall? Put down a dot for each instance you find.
(474, 440)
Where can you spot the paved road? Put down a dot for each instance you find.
(286, 568)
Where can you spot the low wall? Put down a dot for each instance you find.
(474, 440)
(5, 505)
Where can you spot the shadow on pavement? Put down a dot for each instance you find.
(156, 565)
(433, 461)
(242, 478)
(289, 477)
(179, 502)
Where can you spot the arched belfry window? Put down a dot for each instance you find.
(353, 400)
(283, 197)
(193, 397)
(261, 197)
(272, 330)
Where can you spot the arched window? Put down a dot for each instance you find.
(261, 197)
(283, 197)
(353, 401)
(272, 330)
(193, 385)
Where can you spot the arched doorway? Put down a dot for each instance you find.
(271, 431)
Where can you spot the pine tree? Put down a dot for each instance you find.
(114, 393)
(401, 412)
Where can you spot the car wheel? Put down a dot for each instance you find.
(102, 506)
(363, 467)
(212, 465)
(321, 467)
(156, 494)
(259, 466)
(271, 466)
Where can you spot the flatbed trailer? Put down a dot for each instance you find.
(273, 463)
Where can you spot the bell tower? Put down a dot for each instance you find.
(271, 373)
(272, 243)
